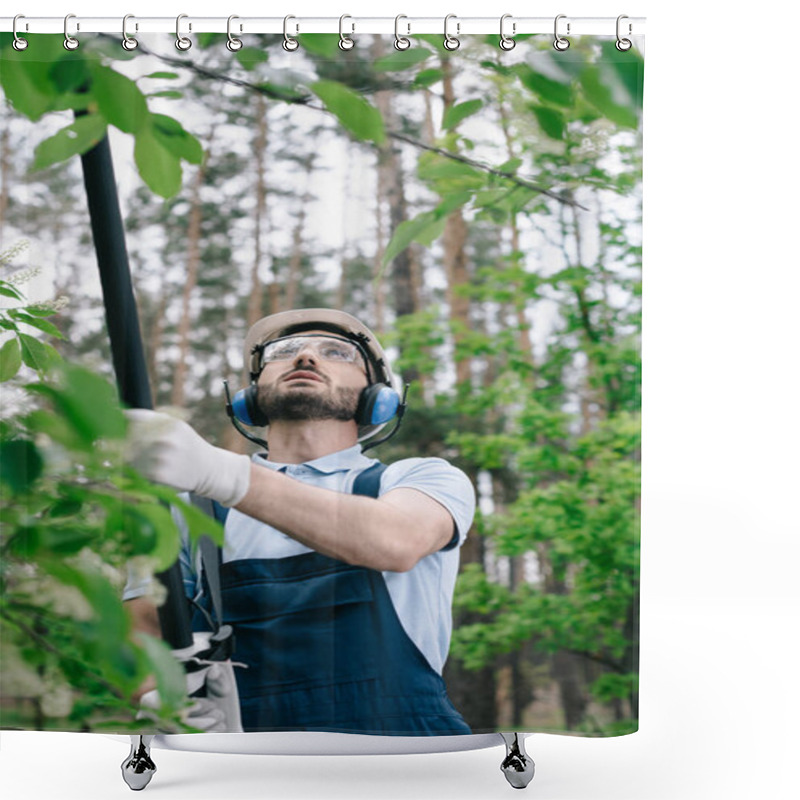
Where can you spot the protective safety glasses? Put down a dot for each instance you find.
(328, 348)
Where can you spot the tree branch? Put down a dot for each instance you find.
(306, 101)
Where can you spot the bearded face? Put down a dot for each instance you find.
(296, 403)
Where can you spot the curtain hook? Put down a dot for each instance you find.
(559, 43)
(506, 42)
(182, 42)
(233, 44)
(290, 44)
(401, 42)
(70, 43)
(451, 42)
(19, 43)
(345, 42)
(128, 42)
(623, 44)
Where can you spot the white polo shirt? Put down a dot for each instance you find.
(423, 596)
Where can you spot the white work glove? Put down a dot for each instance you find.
(167, 450)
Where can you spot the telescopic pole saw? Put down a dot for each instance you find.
(127, 349)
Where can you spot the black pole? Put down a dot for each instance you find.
(127, 349)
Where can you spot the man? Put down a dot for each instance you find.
(336, 577)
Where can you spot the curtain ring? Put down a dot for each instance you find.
(345, 42)
(182, 42)
(128, 42)
(623, 44)
(451, 42)
(401, 42)
(70, 43)
(233, 44)
(506, 42)
(290, 44)
(19, 43)
(559, 43)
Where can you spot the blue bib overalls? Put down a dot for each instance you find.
(325, 650)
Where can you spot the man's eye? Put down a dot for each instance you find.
(281, 352)
(335, 353)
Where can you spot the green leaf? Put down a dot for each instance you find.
(363, 120)
(163, 75)
(119, 99)
(629, 68)
(170, 677)
(402, 59)
(600, 96)
(26, 83)
(171, 134)
(20, 464)
(37, 355)
(10, 359)
(250, 57)
(459, 112)
(424, 228)
(91, 404)
(160, 169)
(75, 139)
(70, 74)
(547, 89)
(87, 402)
(427, 77)
(552, 122)
(36, 322)
(198, 522)
(169, 93)
(321, 44)
(7, 290)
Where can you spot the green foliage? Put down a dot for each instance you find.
(352, 110)
(73, 518)
(47, 78)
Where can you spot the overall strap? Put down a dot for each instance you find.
(368, 483)
(210, 553)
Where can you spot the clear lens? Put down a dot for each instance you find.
(326, 348)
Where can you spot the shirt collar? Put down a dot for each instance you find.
(340, 461)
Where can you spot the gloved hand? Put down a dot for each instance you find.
(167, 450)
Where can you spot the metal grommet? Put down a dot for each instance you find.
(290, 44)
(345, 42)
(623, 44)
(506, 42)
(18, 43)
(182, 42)
(451, 42)
(70, 43)
(401, 42)
(233, 44)
(128, 42)
(559, 43)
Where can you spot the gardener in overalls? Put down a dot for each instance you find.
(337, 573)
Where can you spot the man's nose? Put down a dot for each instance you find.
(307, 355)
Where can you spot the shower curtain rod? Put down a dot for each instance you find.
(404, 25)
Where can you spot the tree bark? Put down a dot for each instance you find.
(193, 234)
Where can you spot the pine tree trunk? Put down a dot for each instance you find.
(193, 233)
(404, 281)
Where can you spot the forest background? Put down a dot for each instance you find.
(491, 236)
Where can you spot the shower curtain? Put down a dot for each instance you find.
(477, 207)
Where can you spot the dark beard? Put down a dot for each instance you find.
(296, 406)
